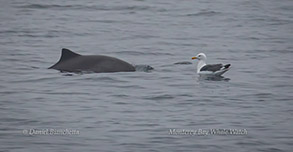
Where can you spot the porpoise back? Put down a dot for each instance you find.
(73, 62)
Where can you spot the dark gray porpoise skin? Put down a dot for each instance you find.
(73, 62)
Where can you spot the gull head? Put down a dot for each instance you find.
(200, 56)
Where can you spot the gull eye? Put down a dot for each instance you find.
(199, 55)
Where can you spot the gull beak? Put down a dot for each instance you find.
(194, 58)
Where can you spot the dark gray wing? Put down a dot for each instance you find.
(212, 67)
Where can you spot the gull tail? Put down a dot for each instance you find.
(223, 70)
(227, 66)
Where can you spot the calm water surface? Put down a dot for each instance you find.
(134, 111)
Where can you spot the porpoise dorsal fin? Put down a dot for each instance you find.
(67, 54)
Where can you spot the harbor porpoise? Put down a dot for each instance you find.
(73, 62)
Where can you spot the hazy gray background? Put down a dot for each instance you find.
(134, 111)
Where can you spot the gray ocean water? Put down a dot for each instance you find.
(147, 111)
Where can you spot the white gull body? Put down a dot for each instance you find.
(204, 69)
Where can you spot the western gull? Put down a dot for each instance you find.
(209, 69)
